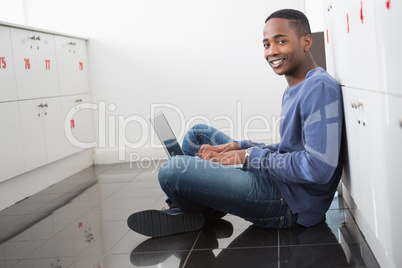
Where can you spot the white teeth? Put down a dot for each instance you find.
(276, 62)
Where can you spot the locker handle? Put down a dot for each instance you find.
(78, 100)
(38, 38)
(356, 104)
(43, 105)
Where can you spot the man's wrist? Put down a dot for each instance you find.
(247, 155)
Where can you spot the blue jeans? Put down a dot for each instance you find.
(197, 185)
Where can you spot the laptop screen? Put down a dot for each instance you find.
(166, 135)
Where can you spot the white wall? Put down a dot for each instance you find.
(12, 11)
(205, 58)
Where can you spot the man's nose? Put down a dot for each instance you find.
(272, 50)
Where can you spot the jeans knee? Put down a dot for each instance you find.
(201, 128)
(196, 129)
(169, 171)
(164, 173)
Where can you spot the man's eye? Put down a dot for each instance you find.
(266, 45)
(281, 41)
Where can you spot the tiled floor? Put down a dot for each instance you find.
(81, 222)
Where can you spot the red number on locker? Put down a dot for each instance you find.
(27, 64)
(3, 64)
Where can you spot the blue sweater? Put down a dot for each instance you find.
(305, 164)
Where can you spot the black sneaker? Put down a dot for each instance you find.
(157, 223)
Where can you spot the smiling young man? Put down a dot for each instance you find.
(282, 185)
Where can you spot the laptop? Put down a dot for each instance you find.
(166, 135)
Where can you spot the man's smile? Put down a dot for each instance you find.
(276, 62)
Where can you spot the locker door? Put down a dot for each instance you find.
(8, 89)
(84, 120)
(336, 44)
(79, 121)
(73, 65)
(47, 65)
(26, 67)
(32, 131)
(352, 42)
(53, 129)
(389, 40)
(365, 124)
(360, 57)
(353, 114)
(11, 154)
(394, 175)
(373, 194)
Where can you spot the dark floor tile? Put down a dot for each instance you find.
(222, 234)
(319, 234)
(147, 260)
(173, 243)
(234, 257)
(327, 255)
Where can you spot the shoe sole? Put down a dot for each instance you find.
(155, 223)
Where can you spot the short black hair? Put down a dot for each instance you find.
(297, 20)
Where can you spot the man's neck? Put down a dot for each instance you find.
(300, 74)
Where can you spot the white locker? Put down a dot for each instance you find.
(36, 71)
(366, 178)
(32, 112)
(334, 20)
(78, 121)
(388, 18)
(8, 90)
(53, 129)
(26, 67)
(47, 69)
(364, 113)
(394, 183)
(11, 154)
(366, 58)
(42, 131)
(351, 42)
(73, 73)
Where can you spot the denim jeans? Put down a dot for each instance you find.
(197, 185)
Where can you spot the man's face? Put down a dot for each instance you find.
(283, 50)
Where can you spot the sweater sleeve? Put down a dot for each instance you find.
(244, 144)
(319, 132)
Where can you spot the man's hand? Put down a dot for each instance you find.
(232, 157)
(205, 149)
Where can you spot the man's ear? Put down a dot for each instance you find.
(308, 42)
